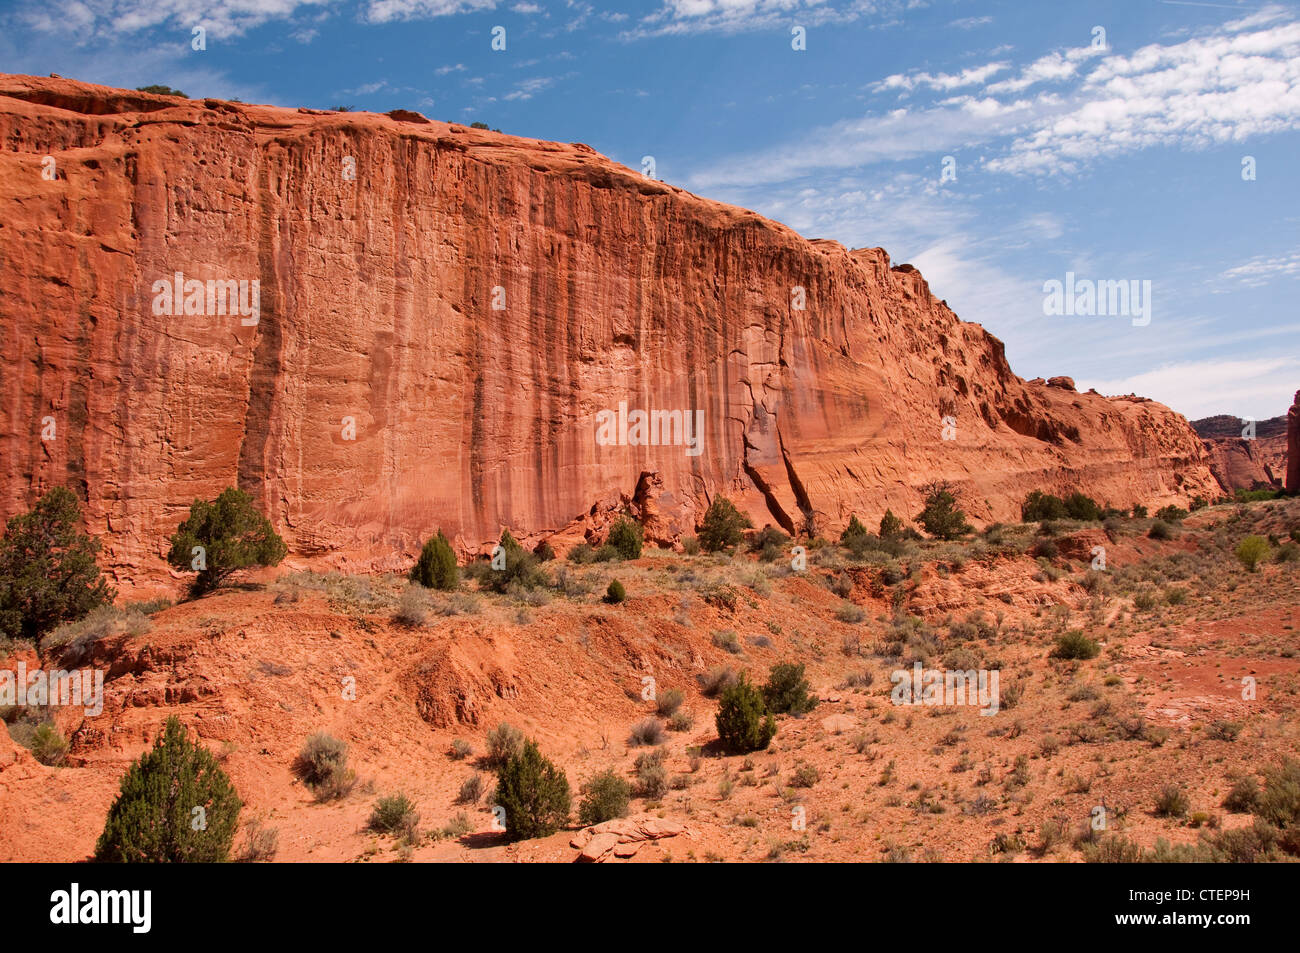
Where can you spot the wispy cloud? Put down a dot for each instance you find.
(734, 16)
(388, 11)
(220, 18)
(1253, 387)
(1262, 270)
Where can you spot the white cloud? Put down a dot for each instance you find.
(1239, 81)
(733, 16)
(1252, 387)
(388, 11)
(1262, 269)
(974, 76)
(530, 88)
(221, 18)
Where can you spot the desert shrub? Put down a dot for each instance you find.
(1223, 730)
(394, 815)
(1251, 551)
(615, 593)
(471, 789)
(48, 573)
(1144, 600)
(848, 612)
(1075, 645)
(1160, 530)
(1171, 514)
(582, 554)
(786, 691)
(1112, 849)
(625, 536)
(651, 775)
(1172, 801)
(647, 731)
(744, 724)
(716, 680)
(503, 743)
(891, 574)
(681, 720)
(1287, 553)
(74, 639)
(222, 537)
(854, 530)
(521, 568)
(259, 844)
(805, 776)
(727, 639)
(723, 526)
(322, 765)
(669, 700)
(604, 797)
(534, 792)
(1280, 802)
(47, 744)
(1080, 507)
(941, 518)
(1038, 505)
(458, 826)
(891, 527)
(436, 568)
(544, 552)
(770, 544)
(1175, 595)
(1244, 796)
(414, 606)
(1139, 511)
(691, 546)
(153, 819)
(160, 90)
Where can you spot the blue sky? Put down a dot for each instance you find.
(1115, 156)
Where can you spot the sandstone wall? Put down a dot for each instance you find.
(376, 304)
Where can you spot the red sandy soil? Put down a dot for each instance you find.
(254, 669)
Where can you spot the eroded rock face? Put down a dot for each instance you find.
(1293, 445)
(1240, 464)
(440, 316)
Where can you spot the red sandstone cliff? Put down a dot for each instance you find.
(1293, 445)
(376, 304)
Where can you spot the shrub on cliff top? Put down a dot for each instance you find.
(723, 525)
(854, 530)
(1039, 506)
(436, 568)
(625, 536)
(48, 573)
(941, 517)
(175, 805)
(224, 536)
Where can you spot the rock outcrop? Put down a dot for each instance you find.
(1240, 461)
(386, 326)
(1293, 445)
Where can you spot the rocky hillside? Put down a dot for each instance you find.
(381, 325)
